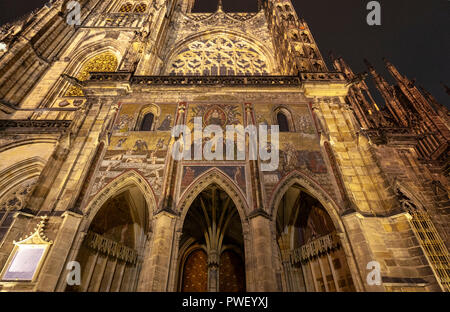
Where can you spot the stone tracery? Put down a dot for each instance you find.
(219, 55)
(104, 62)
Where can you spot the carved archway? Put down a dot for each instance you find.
(17, 183)
(313, 189)
(212, 245)
(295, 253)
(112, 241)
(127, 179)
(216, 176)
(101, 62)
(215, 179)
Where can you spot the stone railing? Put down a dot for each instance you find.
(315, 248)
(242, 17)
(219, 80)
(111, 248)
(118, 76)
(198, 80)
(117, 20)
(330, 76)
(34, 125)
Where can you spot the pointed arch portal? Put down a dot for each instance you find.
(212, 245)
(113, 246)
(313, 258)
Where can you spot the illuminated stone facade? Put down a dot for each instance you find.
(87, 114)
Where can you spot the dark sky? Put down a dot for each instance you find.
(414, 35)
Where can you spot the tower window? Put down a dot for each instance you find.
(140, 8)
(147, 122)
(283, 122)
(126, 8)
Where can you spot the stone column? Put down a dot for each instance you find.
(213, 271)
(263, 266)
(155, 269)
(54, 267)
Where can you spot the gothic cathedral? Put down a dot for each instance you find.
(90, 188)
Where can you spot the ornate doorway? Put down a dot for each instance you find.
(111, 252)
(212, 245)
(312, 256)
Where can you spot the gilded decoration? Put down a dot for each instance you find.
(105, 62)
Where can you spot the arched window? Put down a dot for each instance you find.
(140, 8)
(283, 122)
(126, 8)
(104, 62)
(147, 122)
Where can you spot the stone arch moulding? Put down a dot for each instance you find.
(19, 173)
(256, 44)
(126, 180)
(17, 143)
(414, 197)
(78, 58)
(23, 149)
(211, 176)
(83, 54)
(314, 189)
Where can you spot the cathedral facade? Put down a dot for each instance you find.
(92, 198)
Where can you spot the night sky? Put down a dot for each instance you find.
(414, 35)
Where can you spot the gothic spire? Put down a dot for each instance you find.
(391, 101)
(219, 6)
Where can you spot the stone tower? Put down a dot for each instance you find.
(89, 184)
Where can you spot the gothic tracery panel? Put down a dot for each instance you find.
(104, 62)
(16, 197)
(223, 55)
(12, 201)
